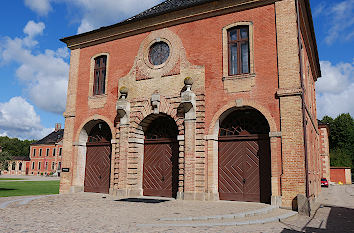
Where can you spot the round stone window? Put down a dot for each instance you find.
(159, 53)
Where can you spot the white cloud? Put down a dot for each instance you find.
(93, 13)
(341, 20)
(41, 7)
(335, 90)
(44, 74)
(33, 29)
(19, 119)
(105, 12)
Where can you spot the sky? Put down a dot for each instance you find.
(34, 64)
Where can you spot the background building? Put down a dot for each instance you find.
(46, 154)
(197, 100)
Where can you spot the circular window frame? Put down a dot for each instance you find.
(147, 53)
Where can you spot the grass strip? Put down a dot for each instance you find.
(28, 188)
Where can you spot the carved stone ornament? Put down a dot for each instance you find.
(155, 102)
(188, 99)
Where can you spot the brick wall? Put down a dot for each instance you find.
(44, 161)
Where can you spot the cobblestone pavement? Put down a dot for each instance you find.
(87, 212)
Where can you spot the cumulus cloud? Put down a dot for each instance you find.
(340, 19)
(19, 119)
(41, 7)
(105, 12)
(33, 29)
(335, 90)
(94, 14)
(44, 74)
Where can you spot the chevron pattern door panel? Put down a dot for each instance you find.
(160, 169)
(239, 170)
(98, 168)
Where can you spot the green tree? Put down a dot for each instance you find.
(340, 158)
(341, 139)
(5, 157)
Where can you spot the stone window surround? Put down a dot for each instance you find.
(97, 101)
(225, 47)
(143, 63)
(147, 53)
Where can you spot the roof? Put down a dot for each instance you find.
(166, 7)
(52, 138)
(162, 8)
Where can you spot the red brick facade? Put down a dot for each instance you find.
(273, 87)
(45, 159)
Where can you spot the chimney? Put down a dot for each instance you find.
(57, 127)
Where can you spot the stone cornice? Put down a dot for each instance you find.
(289, 92)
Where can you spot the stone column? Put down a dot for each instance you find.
(189, 105)
(121, 166)
(293, 181)
(70, 112)
(276, 167)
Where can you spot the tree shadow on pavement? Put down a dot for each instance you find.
(144, 200)
(340, 219)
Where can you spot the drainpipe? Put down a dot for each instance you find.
(302, 97)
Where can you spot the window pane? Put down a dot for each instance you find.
(103, 80)
(233, 59)
(104, 60)
(244, 33)
(244, 55)
(233, 34)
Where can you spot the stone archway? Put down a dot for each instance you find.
(98, 159)
(160, 163)
(244, 162)
(81, 148)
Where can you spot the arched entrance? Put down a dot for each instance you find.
(160, 175)
(244, 157)
(98, 159)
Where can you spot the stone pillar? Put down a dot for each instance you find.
(180, 193)
(276, 167)
(189, 106)
(68, 149)
(121, 159)
(293, 180)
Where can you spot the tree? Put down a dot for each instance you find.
(341, 139)
(340, 158)
(5, 157)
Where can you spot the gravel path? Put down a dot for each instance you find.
(87, 212)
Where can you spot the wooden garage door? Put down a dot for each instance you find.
(160, 168)
(240, 176)
(98, 167)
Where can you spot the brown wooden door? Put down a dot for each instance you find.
(160, 168)
(98, 167)
(239, 169)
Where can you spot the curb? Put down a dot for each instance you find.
(23, 201)
(228, 216)
(240, 223)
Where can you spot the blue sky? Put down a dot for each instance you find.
(34, 64)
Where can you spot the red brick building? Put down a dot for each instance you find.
(46, 154)
(341, 175)
(197, 100)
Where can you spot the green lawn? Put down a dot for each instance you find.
(27, 188)
(11, 179)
